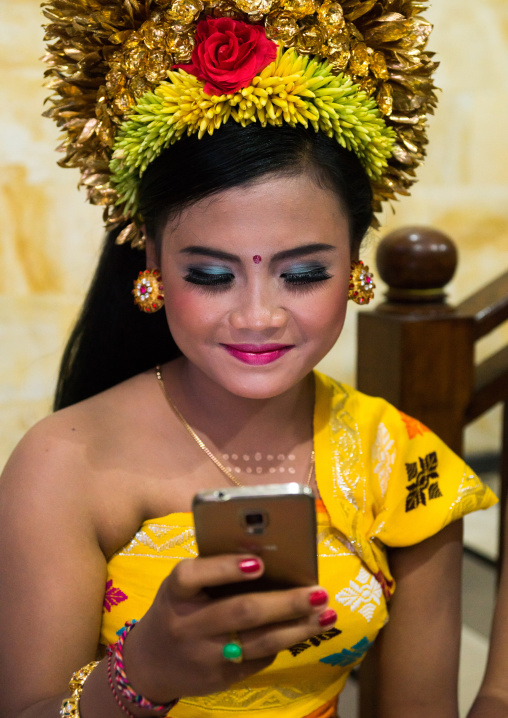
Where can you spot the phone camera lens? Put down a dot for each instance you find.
(254, 519)
(255, 522)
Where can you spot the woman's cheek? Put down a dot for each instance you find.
(328, 311)
(190, 310)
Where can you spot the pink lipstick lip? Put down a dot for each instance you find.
(257, 348)
(257, 354)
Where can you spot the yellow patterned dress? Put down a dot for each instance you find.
(385, 480)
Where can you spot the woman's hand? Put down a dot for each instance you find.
(176, 649)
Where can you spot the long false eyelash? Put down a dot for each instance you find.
(203, 279)
(311, 277)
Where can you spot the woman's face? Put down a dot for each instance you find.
(256, 283)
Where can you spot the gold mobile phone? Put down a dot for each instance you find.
(276, 522)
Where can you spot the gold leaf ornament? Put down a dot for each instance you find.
(153, 34)
(331, 17)
(185, 11)
(355, 10)
(281, 27)
(255, 7)
(384, 98)
(299, 8)
(378, 66)
(388, 31)
(180, 45)
(309, 40)
(360, 60)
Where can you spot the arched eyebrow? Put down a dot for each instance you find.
(209, 252)
(302, 251)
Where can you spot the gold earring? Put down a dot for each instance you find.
(361, 286)
(148, 291)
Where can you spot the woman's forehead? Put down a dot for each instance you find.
(269, 214)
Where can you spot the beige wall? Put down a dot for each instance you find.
(49, 236)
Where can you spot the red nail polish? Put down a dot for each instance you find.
(327, 617)
(317, 598)
(249, 565)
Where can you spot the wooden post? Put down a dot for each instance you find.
(413, 349)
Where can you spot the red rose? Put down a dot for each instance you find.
(229, 54)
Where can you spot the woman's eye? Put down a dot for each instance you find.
(209, 278)
(305, 275)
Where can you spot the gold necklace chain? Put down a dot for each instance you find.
(201, 443)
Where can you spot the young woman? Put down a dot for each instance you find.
(252, 237)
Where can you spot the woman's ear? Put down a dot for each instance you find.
(152, 260)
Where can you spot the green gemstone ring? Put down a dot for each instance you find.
(232, 651)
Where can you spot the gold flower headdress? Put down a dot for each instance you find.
(126, 82)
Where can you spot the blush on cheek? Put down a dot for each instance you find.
(185, 308)
(191, 315)
(327, 316)
(331, 324)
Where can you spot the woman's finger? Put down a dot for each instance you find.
(253, 610)
(265, 643)
(190, 577)
(262, 642)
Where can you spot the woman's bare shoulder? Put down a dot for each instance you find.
(80, 460)
(71, 433)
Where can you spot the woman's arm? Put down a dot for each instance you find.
(418, 651)
(52, 582)
(492, 700)
(53, 574)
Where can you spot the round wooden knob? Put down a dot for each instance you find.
(416, 263)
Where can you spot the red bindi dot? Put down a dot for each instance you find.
(256, 259)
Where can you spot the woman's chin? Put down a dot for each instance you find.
(259, 383)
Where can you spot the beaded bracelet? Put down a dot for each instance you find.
(113, 690)
(122, 682)
(70, 706)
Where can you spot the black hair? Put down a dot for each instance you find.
(237, 155)
(112, 340)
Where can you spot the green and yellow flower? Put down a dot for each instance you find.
(294, 89)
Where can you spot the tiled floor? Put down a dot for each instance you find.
(479, 589)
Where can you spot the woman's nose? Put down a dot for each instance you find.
(257, 312)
